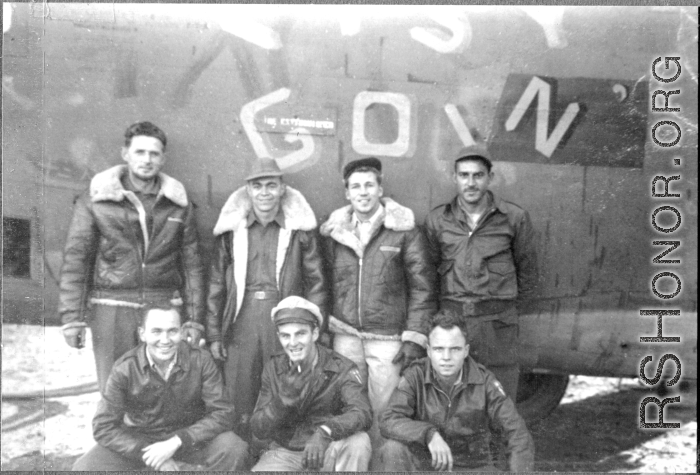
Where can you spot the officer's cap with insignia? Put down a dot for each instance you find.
(294, 309)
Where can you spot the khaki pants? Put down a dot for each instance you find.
(351, 454)
(226, 451)
(397, 457)
(114, 332)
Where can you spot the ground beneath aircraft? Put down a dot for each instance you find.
(595, 429)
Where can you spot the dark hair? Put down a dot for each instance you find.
(147, 129)
(165, 306)
(475, 158)
(448, 319)
(376, 172)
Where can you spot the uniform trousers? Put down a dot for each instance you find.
(251, 342)
(374, 360)
(493, 342)
(395, 456)
(224, 452)
(114, 332)
(351, 454)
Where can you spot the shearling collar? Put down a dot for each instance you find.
(107, 186)
(339, 224)
(297, 211)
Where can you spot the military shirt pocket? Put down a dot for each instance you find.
(501, 267)
(390, 248)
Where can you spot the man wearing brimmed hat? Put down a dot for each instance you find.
(266, 250)
(485, 252)
(313, 402)
(382, 282)
(132, 239)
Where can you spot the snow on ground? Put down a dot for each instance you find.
(50, 433)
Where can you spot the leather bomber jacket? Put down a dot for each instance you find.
(388, 286)
(478, 405)
(337, 399)
(299, 271)
(106, 257)
(301, 274)
(139, 408)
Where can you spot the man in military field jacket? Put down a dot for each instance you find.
(441, 415)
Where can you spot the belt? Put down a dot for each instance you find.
(475, 309)
(262, 294)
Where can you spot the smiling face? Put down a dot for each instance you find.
(363, 191)
(265, 193)
(472, 179)
(145, 156)
(298, 341)
(447, 350)
(161, 333)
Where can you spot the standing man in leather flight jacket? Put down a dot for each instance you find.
(442, 414)
(383, 282)
(132, 239)
(485, 252)
(267, 249)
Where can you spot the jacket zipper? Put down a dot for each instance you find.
(359, 294)
(449, 404)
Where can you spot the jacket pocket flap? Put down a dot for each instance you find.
(390, 248)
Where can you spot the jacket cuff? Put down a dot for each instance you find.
(415, 337)
(429, 435)
(186, 438)
(336, 430)
(73, 325)
(71, 317)
(197, 326)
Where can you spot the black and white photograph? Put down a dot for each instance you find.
(349, 237)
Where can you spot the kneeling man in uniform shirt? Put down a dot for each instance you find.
(441, 415)
(313, 402)
(164, 402)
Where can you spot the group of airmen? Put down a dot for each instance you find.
(366, 343)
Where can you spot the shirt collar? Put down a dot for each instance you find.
(313, 365)
(252, 218)
(152, 189)
(372, 219)
(152, 363)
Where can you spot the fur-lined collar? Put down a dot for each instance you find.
(396, 218)
(107, 186)
(339, 225)
(297, 211)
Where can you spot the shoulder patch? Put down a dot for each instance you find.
(499, 387)
(355, 373)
